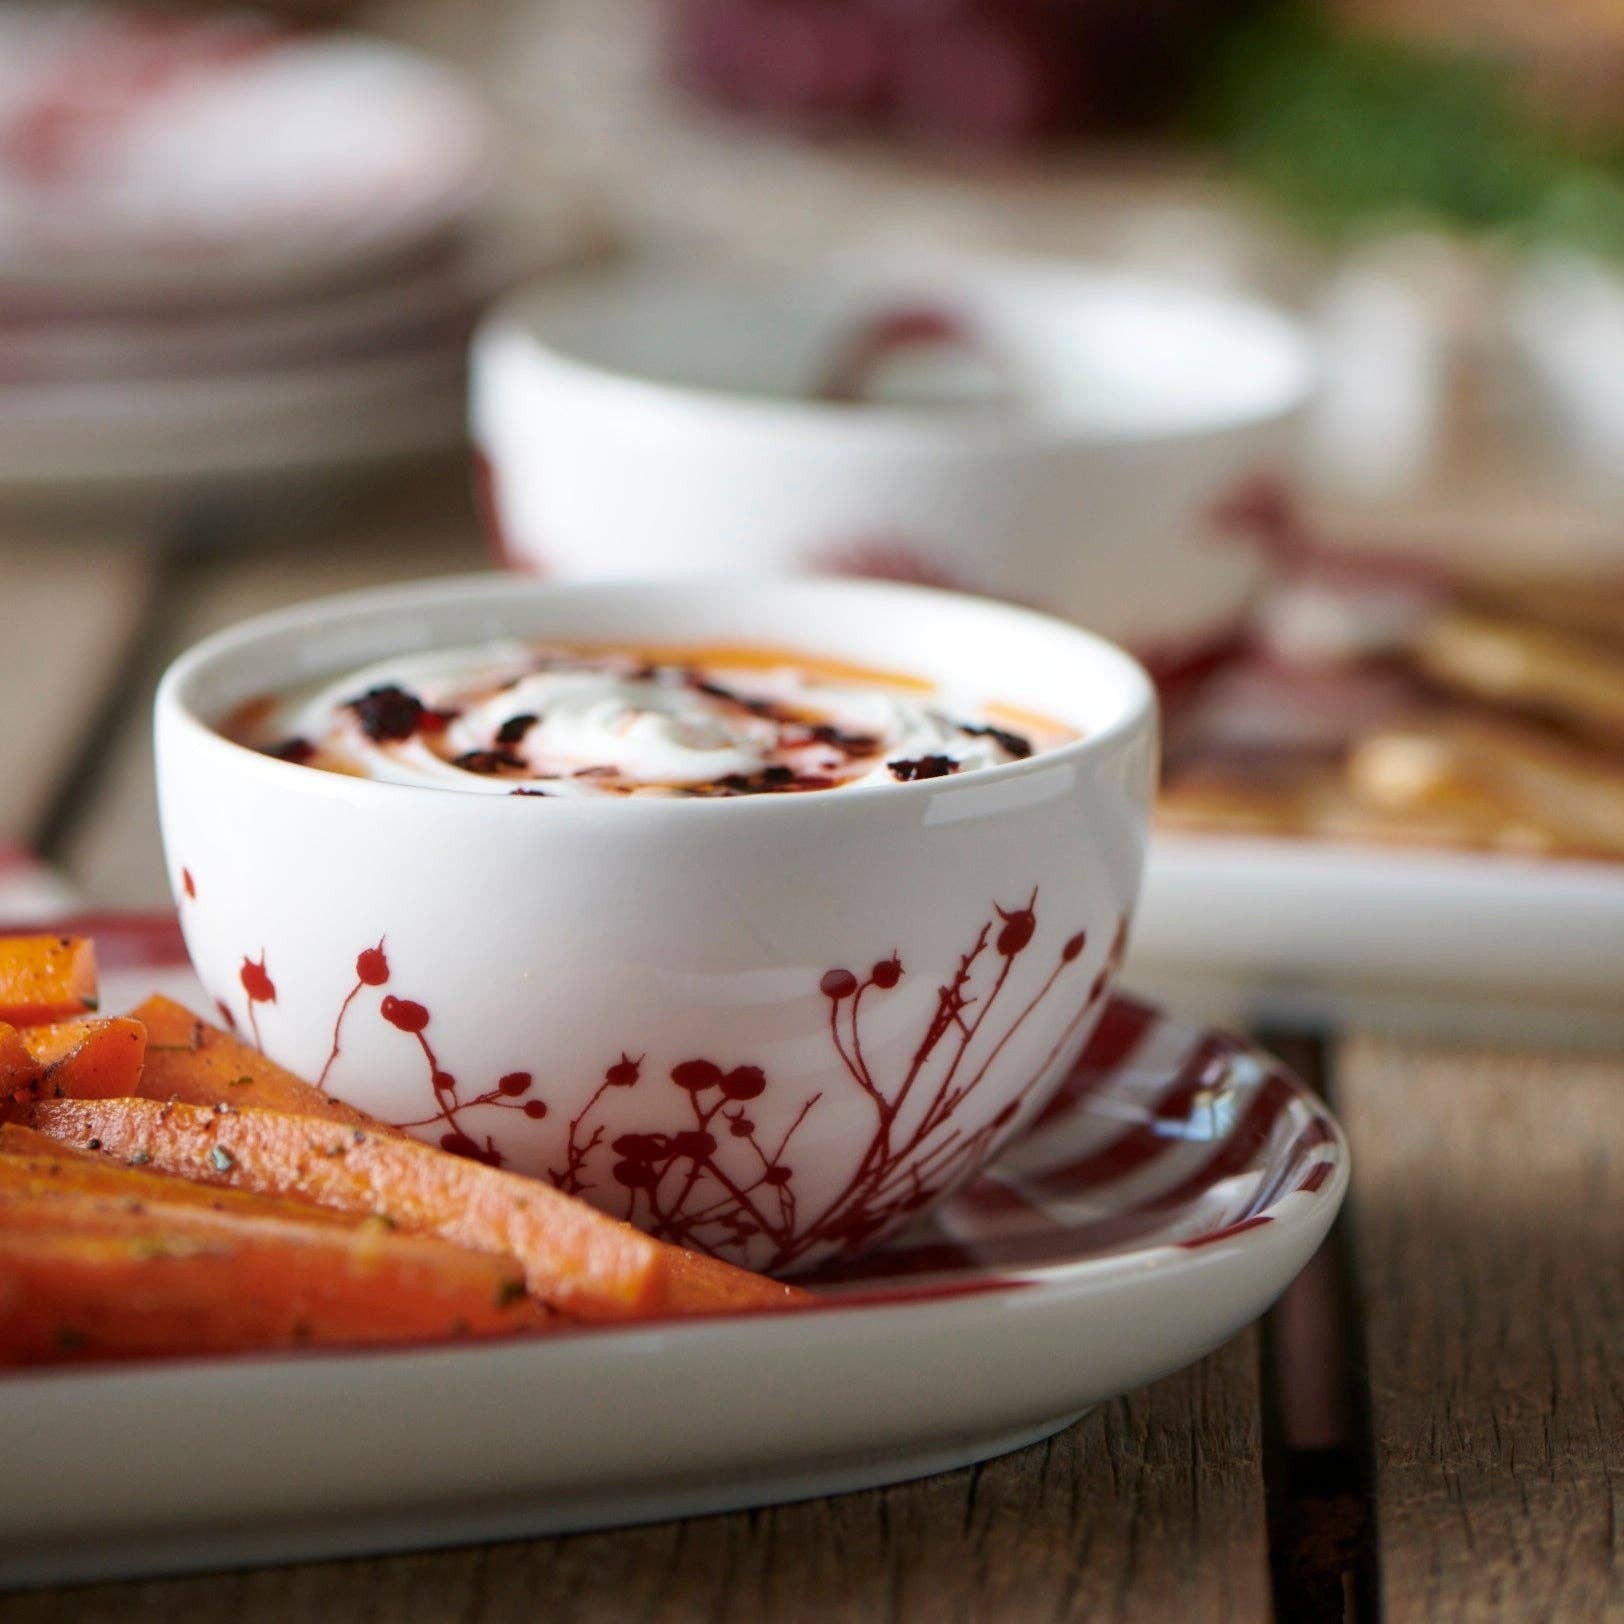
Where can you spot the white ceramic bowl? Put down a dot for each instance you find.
(776, 1026)
(646, 423)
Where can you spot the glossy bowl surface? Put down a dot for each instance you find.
(777, 1027)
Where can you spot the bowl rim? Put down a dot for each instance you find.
(517, 324)
(1135, 713)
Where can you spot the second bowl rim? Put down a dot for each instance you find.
(517, 317)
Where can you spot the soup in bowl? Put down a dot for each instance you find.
(759, 912)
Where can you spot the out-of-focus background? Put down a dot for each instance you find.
(242, 254)
(1439, 187)
(192, 193)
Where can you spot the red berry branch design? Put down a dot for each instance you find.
(256, 982)
(710, 1180)
(371, 970)
(411, 1017)
(711, 1177)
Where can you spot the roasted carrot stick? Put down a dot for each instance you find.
(17, 1139)
(32, 1164)
(46, 978)
(93, 1288)
(588, 1265)
(191, 1061)
(19, 1070)
(92, 1059)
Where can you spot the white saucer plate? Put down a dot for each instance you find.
(315, 417)
(1169, 1194)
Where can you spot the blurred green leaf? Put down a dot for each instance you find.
(1353, 131)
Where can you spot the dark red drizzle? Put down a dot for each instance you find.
(1012, 744)
(923, 767)
(387, 713)
(769, 778)
(851, 744)
(765, 708)
(513, 730)
(486, 761)
(294, 749)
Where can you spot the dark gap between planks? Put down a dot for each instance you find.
(1318, 1459)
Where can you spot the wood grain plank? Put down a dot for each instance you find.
(412, 528)
(69, 605)
(1151, 1509)
(1489, 1237)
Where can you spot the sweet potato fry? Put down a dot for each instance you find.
(198, 1064)
(32, 1164)
(96, 1288)
(41, 1202)
(576, 1259)
(96, 1059)
(46, 978)
(16, 1139)
(19, 1070)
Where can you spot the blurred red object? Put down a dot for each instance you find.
(285, 11)
(964, 72)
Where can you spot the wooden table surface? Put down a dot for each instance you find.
(1430, 1426)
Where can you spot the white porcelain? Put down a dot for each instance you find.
(1565, 321)
(215, 158)
(1461, 945)
(309, 416)
(748, 984)
(363, 372)
(435, 293)
(1037, 1303)
(654, 423)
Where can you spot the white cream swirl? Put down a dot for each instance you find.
(511, 718)
(649, 731)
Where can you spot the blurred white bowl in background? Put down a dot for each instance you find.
(659, 422)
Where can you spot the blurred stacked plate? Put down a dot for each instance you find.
(229, 248)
